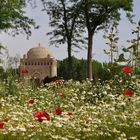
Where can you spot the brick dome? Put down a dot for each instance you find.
(38, 52)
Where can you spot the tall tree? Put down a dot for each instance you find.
(98, 14)
(12, 16)
(135, 47)
(65, 21)
(112, 40)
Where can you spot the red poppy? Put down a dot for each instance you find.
(58, 111)
(69, 113)
(1, 125)
(24, 71)
(6, 120)
(31, 101)
(57, 81)
(42, 116)
(129, 93)
(62, 94)
(127, 69)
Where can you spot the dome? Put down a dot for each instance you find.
(38, 52)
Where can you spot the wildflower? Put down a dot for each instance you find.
(69, 113)
(58, 111)
(129, 93)
(31, 101)
(42, 116)
(1, 125)
(57, 81)
(24, 71)
(62, 94)
(127, 69)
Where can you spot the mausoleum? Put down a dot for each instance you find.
(39, 63)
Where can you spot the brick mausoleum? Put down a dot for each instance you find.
(39, 62)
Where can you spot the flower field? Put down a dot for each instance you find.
(70, 110)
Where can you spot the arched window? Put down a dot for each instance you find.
(29, 63)
(38, 63)
(44, 63)
(25, 63)
(35, 63)
(48, 63)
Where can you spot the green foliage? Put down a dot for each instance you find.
(104, 71)
(9, 77)
(79, 69)
(64, 20)
(97, 69)
(12, 16)
(98, 14)
(66, 26)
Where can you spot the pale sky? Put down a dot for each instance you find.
(20, 45)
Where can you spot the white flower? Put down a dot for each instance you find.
(122, 103)
(78, 129)
(90, 93)
(133, 138)
(22, 129)
(137, 123)
(90, 119)
(82, 97)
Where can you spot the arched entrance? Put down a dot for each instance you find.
(36, 78)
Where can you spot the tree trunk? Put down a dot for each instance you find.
(69, 62)
(89, 57)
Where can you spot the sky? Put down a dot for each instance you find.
(20, 45)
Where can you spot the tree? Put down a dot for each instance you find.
(97, 15)
(65, 20)
(79, 69)
(112, 40)
(135, 46)
(12, 16)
